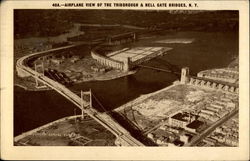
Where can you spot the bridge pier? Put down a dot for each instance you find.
(89, 93)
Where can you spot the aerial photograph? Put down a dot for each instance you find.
(86, 77)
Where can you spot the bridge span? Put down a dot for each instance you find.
(159, 69)
(124, 138)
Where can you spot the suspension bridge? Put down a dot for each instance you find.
(124, 138)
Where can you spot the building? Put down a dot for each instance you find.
(213, 109)
(203, 83)
(222, 114)
(224, 99)
(208, 84)
(214, 118)
(216, 106)
(107, 61)
(128, 58)
(56, 61)
(226, 87)
(220, 86)
(232, 141)
(231, 105)
(162, 140)
(208, 112)
(204, 115)
(214, 85)
(232, 89)
(195, 126)
(225, 74)
(181, 119)
(74, 59)
(184, 138)
(237, 90)
(219, 80)
(151, 136)
(173, 130)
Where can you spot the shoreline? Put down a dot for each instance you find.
(31, 89)
(85, 81)
(106, 78)
(30, 132)
(21, 86)
(144, 96)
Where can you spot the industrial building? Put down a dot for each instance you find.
(202, 80)
(195, 126)
(230, 75)
(181, 119)
(126, 58)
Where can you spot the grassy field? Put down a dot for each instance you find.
(71, 133)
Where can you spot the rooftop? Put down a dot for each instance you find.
(181, 116)
(195, 124)
(135, 53)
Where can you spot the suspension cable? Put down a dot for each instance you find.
(99, 102)
(104, 110)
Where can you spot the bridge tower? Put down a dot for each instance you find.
(184, 75)
(134, 37)
(37, 67)
(126, 65)
(89, 97)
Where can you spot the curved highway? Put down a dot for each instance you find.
(104, 119)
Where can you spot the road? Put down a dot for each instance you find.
(205, 133)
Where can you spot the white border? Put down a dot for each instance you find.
(8, 151)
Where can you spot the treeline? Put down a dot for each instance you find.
(191, 20)
(40, 23)
(54, 22)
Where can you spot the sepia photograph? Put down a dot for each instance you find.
(126, 78)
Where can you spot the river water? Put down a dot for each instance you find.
(209, 50)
